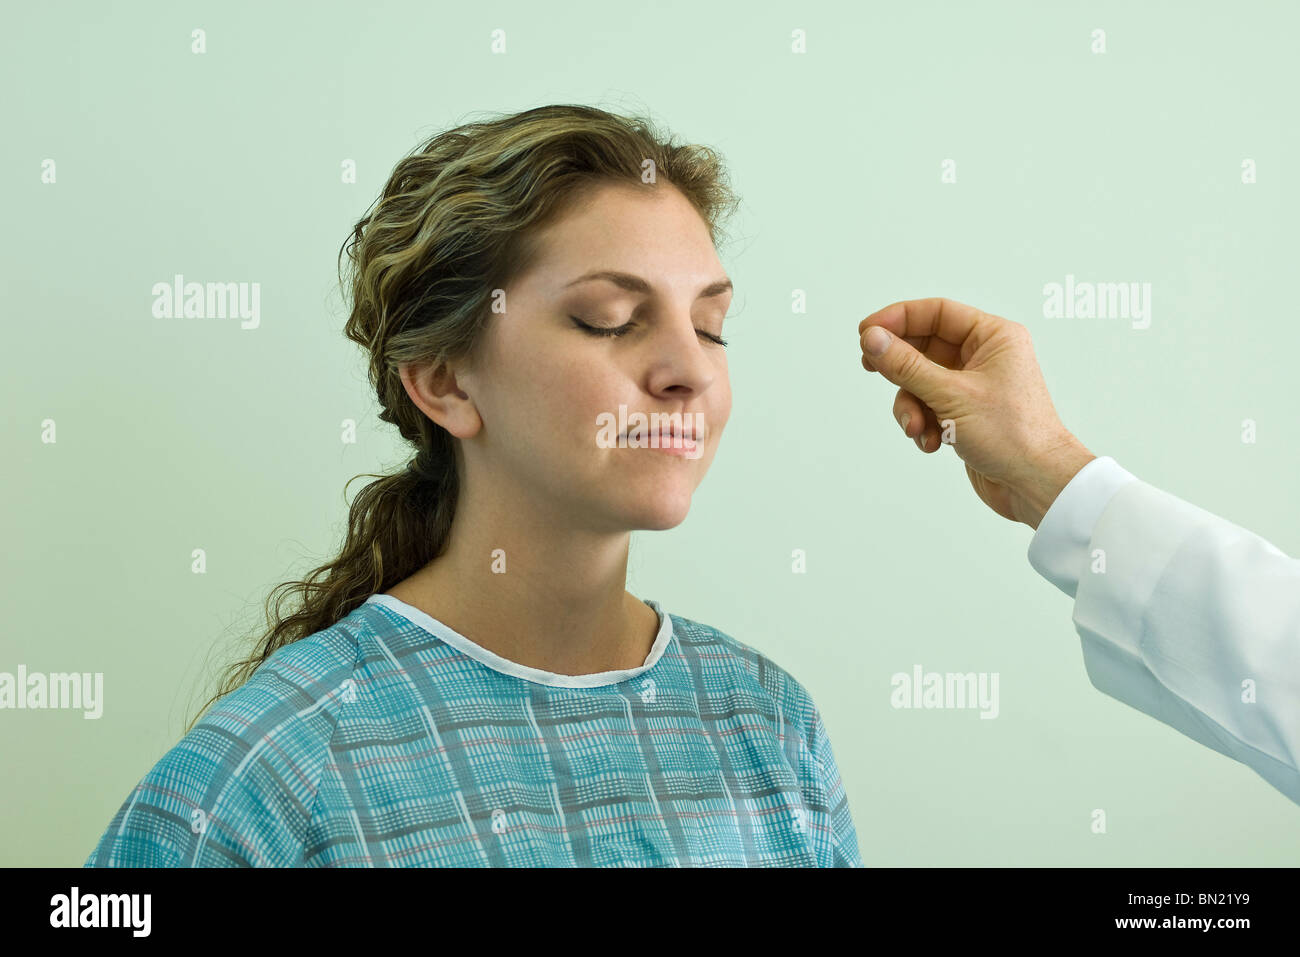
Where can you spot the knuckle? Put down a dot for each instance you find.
(909, 364)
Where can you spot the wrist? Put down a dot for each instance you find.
(1048, 473)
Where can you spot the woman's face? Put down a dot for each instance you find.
(542, 386)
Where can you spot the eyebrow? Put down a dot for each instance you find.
(637, 284)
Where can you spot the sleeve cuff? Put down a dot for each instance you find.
(1059, 548)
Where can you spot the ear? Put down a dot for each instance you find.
(434, 389)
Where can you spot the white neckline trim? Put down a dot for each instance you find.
(513, 668)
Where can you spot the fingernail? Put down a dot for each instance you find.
(920, 441)
(907, 416)
(877, 340)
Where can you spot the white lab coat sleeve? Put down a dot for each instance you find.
(1182, 615)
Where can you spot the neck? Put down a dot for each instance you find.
(534, 591)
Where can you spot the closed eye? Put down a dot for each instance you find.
(615, 331)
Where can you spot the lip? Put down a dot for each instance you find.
(686, 436)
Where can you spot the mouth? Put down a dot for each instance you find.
(685, 436)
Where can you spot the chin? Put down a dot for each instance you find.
(659, 516)
(658, 525)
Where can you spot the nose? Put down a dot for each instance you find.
(679, 362)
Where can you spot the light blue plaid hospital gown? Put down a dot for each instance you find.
(390, 740)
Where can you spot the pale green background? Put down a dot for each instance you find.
(185, 433)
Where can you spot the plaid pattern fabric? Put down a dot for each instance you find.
(380, 743)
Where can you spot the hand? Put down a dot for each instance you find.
(970, 379)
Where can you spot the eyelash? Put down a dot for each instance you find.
(617, 331)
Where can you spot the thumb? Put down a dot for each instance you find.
(902, 365)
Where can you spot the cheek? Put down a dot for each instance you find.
(721, 408)
(544, 372)
(565, 397)
(591, 395)
(529, 397)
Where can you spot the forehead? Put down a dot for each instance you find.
(648, 230)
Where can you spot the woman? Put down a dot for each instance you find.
(470, 683)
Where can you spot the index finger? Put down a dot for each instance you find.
(951, 321)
